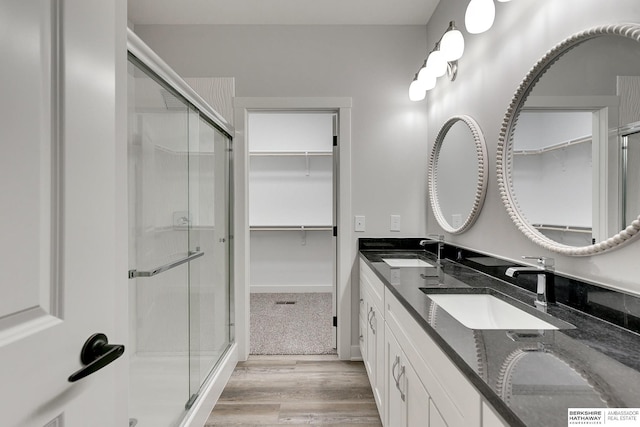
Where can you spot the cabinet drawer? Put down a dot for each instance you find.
(457, 400)
(368, 279)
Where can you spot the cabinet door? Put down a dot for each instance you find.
(375, 353)
(370, 343)
(435, 419)
(362, 339)
(395, 407)
(407, 403)
(417, 400)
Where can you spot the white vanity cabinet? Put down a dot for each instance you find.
(372, 346)
(454, 402)
(414, 381)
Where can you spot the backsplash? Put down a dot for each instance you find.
(609, 305)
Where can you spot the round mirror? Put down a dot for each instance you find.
(569, 141)
(458, 174)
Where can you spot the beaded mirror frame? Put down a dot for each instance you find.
(481, 184)
(505, 146)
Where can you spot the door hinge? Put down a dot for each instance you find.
(335, 321)
(335, 140)
(335, 231)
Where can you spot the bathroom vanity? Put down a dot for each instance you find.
(427, 362)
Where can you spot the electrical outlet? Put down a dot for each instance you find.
(395, 223)
(359, 224)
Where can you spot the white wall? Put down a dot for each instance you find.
(491, 69)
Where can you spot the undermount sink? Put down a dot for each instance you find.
(406, 262)
(488, 309)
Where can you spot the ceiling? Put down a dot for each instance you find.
(282, 12)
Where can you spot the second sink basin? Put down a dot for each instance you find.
(489, 310)
(406, 262)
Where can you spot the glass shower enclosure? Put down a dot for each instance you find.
(179, 248)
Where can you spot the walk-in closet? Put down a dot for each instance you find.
(292, 217)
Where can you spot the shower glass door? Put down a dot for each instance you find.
(179, 250)
(209, 299)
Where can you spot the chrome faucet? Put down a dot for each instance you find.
(434, 239)
(545, 292)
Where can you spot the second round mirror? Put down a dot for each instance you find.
(458, 174)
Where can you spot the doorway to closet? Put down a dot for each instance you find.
(292, 217)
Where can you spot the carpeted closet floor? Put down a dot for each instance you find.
(288, 323)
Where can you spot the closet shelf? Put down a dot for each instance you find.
(182, 152)
(291, 228)
(570, 228)
(291, 153)
(558, 146)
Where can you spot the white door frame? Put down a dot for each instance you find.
(345, 243)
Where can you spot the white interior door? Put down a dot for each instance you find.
(61, 229)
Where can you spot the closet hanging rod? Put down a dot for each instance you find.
(552, 147)
(192, 255)
(552, 227)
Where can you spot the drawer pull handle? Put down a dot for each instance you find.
(402, 395)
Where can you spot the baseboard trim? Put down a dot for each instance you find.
(199, 413)
(293, 289)
(356, 355)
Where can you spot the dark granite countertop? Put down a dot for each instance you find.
(530, 378)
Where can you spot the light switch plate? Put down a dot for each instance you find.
(359, 224)
(395, 223)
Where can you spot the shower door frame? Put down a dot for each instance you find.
(199, 410)
(632, 129)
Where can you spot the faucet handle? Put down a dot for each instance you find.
(543, 262)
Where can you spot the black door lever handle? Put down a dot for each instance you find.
(96, 354)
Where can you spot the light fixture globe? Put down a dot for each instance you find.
(436, 64)
(426, 78)
(452, 45)
(479, 16)
(416, 90)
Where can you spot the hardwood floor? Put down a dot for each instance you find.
(296, 390)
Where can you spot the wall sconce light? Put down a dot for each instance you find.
(443, 59)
